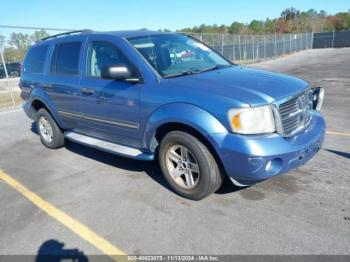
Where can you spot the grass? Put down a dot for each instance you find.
(6, 100)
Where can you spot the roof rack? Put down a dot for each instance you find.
(84, 31)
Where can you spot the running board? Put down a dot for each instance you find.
(109, 147)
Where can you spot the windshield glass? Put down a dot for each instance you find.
(173, 55)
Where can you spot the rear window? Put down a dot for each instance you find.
(65, 59)
(35, 59)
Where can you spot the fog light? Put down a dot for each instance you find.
(268, 166)
(273, 166)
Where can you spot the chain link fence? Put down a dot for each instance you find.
(252, 48)
(9, 76)
(332, 39)
(15, 41)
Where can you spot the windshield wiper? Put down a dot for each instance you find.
(189, 72)
(193, 71)
(213, 68)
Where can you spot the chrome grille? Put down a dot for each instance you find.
(294, 114)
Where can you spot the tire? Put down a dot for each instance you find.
(51, 135)
(198, 163)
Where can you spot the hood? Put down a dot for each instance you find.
(248, 85)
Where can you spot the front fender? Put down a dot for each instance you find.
(40, 95)
(182, 113)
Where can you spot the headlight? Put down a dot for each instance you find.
(251, 120)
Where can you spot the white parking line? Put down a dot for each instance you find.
(74, 225)
(337, 133)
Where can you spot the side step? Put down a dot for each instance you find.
(109, 147)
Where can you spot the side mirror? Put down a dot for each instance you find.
(116, 71)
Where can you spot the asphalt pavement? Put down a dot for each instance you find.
(128, 203)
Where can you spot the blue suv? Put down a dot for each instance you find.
(147, 95)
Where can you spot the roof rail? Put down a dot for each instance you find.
(84, 31)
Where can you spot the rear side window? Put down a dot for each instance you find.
(35, 60)
(65, 59)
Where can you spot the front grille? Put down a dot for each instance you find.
(294, 113)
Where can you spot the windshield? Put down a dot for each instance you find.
(174, 55)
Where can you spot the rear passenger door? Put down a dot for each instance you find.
(110, 107)
(62, 80)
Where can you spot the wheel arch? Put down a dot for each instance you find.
(183, 117)
(37, 103)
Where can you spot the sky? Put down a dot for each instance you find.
(150, 14)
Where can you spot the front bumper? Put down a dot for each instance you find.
(251, 159)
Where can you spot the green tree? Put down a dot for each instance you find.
(20, 40)
(328, 26)
(290, 13)
(256, 26)
(19, 44)
(322, 13)
(13, 55)
(38, 35)
(312, 13)
(270, 26)
(291, 20)
(342, 21)
(235, 28)
(2, 41)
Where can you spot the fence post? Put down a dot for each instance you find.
(275, 46)
(282, 38)
(333, 38)
(312, 40)
(264, 47)
(6, 75)
(240, 51)
(3, 62)
(233, 49)
(252, 37)
(222, 44)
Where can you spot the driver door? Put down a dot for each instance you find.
(110, 108)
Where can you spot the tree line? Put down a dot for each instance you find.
(18, 44)
(291, 20)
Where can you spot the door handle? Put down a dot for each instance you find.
(46, 86)
(88, 91)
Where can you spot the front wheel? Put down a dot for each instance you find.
(188, 166)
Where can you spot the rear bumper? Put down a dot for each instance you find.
(28, 110)
(251, 159)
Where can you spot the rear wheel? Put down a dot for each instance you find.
(188, 166)
(51, 135)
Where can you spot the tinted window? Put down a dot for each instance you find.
(35, 59)
(65, 59)
(102, 54)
